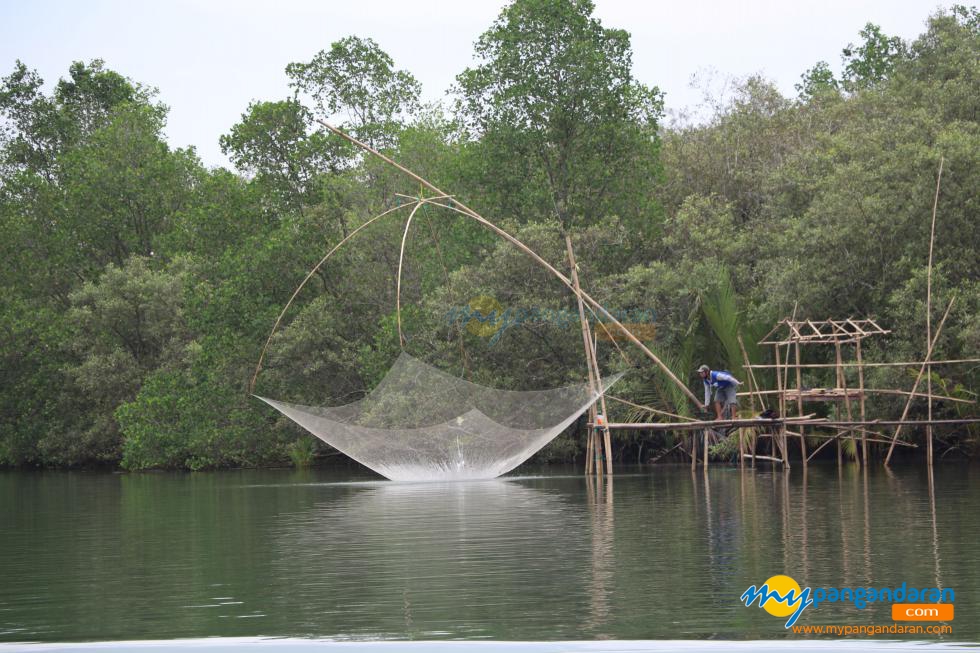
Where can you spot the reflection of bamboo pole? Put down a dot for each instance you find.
(837, 384)
(935, 532)
(864, 435)
(932, 239)
(932, 345)
(462, 209)
(867, 529)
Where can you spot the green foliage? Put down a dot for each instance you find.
(873, 61)
(355, 76)
(138, 287)
(275, 142)
(560, 117)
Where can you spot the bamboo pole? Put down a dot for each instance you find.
(590, 355)
(807, 420)
(878, 391)
(586, 340)
(896, 364)
(864, 435)
(258, 366)
(932, 345)
(463, 209)
(694, 450)
(782, 409)
(799, 402)
(847, 400)
(932, 240)
(704, 459)
(752, 387)
(649, 408)
(398, 281)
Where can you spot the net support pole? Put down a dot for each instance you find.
(461, 208)
(589, 358)
(932, 239)
(922, 369)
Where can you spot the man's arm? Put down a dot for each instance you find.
(707, 394)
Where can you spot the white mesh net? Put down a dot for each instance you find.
(420, 423)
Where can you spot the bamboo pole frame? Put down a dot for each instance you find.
(932, 240)
(463, 209)
(932, 345)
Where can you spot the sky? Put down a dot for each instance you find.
(210, 59)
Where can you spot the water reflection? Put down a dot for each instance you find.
(661, 553)
(421, 559)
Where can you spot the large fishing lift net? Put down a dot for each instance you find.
(420, 423)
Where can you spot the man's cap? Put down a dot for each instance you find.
(704, 368)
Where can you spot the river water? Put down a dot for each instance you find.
(658, 553)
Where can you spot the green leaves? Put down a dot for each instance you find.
(559, 115)
(357, 79)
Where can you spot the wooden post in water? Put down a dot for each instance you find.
(932, 239)
(753, 388)
(694, 450)
(781, 435)
(595, 378)
(799, 402)
(864, 431)
(842, 383)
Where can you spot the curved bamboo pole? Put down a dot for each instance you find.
(461, 208)
(258, 367)
(398, 282)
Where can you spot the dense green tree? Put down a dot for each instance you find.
(279, 144)
(563, 126)
(357, 79)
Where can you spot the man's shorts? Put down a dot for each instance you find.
(725, 395)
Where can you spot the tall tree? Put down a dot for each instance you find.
(560, 115)
(357, 78)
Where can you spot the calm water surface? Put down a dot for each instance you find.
(659, 553)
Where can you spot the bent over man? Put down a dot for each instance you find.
(724, 386)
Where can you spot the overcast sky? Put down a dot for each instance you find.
(210, 59)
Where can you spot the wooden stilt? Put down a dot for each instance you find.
(799, 403)
(842, 383)
(595, 379)
(932, 239)
(860, 369)
(694, 450)
(782, 408)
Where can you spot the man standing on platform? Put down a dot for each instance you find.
(724, 386)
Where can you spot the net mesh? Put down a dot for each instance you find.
(421, 423)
